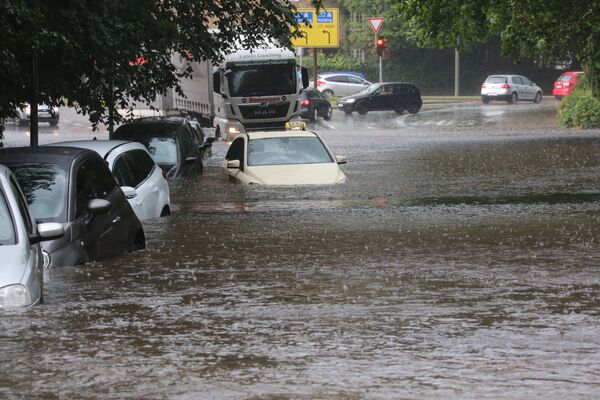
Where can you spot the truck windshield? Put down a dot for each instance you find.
(261, 80)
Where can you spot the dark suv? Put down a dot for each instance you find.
(172, 142)
(392, 96)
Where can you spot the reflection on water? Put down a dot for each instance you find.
(442, 269)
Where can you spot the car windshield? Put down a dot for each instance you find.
(496, 79)
(45, 188)
(162, 149)
(287, 150)
(261, 80)
(371, 88)
(7, 231)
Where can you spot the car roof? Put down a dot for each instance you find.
(275, 134)
(150, 126)
(102, 147)
(61, 155)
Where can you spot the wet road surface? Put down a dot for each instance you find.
(459, 261)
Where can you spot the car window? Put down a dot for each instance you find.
(7, 227)
(386, 89)
(565, 78)
(195, 134)
(356, 80)
(496, 79)
(401, 89)
(337, 78)
(22, 206)
(287, 150)
(93, 181)
(526, 81)
(139, 167)
(163, 150)
(45, 188)
(186, 142)
(122, 173)
(236, 150)
(516, 80)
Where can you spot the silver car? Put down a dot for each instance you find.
(510, 88)
(45, 114)
(340, 84)
(21, 275)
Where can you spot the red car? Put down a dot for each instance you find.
(565, 84)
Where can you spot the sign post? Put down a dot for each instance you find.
(376, 23)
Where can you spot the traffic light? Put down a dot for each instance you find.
(380, 45)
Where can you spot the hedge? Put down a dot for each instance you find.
(580, 109)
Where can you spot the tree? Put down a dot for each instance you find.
(86, 49)
(552, 32)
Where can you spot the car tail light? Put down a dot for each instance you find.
(319, 83)
(304, 102)
(483, 86)
(505, 86)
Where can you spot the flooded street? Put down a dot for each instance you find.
(460, 260)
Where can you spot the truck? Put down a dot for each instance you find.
(250, 89)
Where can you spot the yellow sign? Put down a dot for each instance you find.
(318, 29)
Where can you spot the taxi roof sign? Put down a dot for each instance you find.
(318, 29)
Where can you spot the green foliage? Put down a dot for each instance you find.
(84, 47)
(580, 109)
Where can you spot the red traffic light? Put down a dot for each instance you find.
(380, 45)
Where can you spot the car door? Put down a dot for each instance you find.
(379, 98)
(528, 88)
(192, 159)
(142, 166)
(237, 151)
(106, 234)
(355, 84)
(517, 83)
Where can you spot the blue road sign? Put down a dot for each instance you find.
(305, 17)
(325, 17)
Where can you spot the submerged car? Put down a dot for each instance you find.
(282, 158)
(75, 188)
(565, 84)
(21, 269)
(389, 96)
(142, 181)
(171, 141)
(510, 88)
(314, 104)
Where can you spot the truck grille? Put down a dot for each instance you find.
(269, 111)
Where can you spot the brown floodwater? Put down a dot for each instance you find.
(455, 263)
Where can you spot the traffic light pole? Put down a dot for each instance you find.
(380, 69)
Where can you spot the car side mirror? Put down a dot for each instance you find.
(47, 231)
(340, 159)
(98, 206)
(217, 84)
(129, 192)
(233, 164)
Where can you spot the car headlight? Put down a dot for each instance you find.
(14, 296)
(47, 258)
(233, 130)
(350, 101)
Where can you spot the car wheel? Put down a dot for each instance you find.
(328, 92)
(361, 108)
(54, 122)
(538, 98)
(513, 98)
(329, 113)
(139, 242)
(314, 115)
(399, 110)
(485, 99)
(413, 108)
(166, 211)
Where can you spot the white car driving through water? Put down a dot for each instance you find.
(282, 158)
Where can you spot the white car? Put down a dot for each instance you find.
(510, 88)
(340, 84)
(21, 269)
(142, 181)
(45, 114)
(282, 158)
